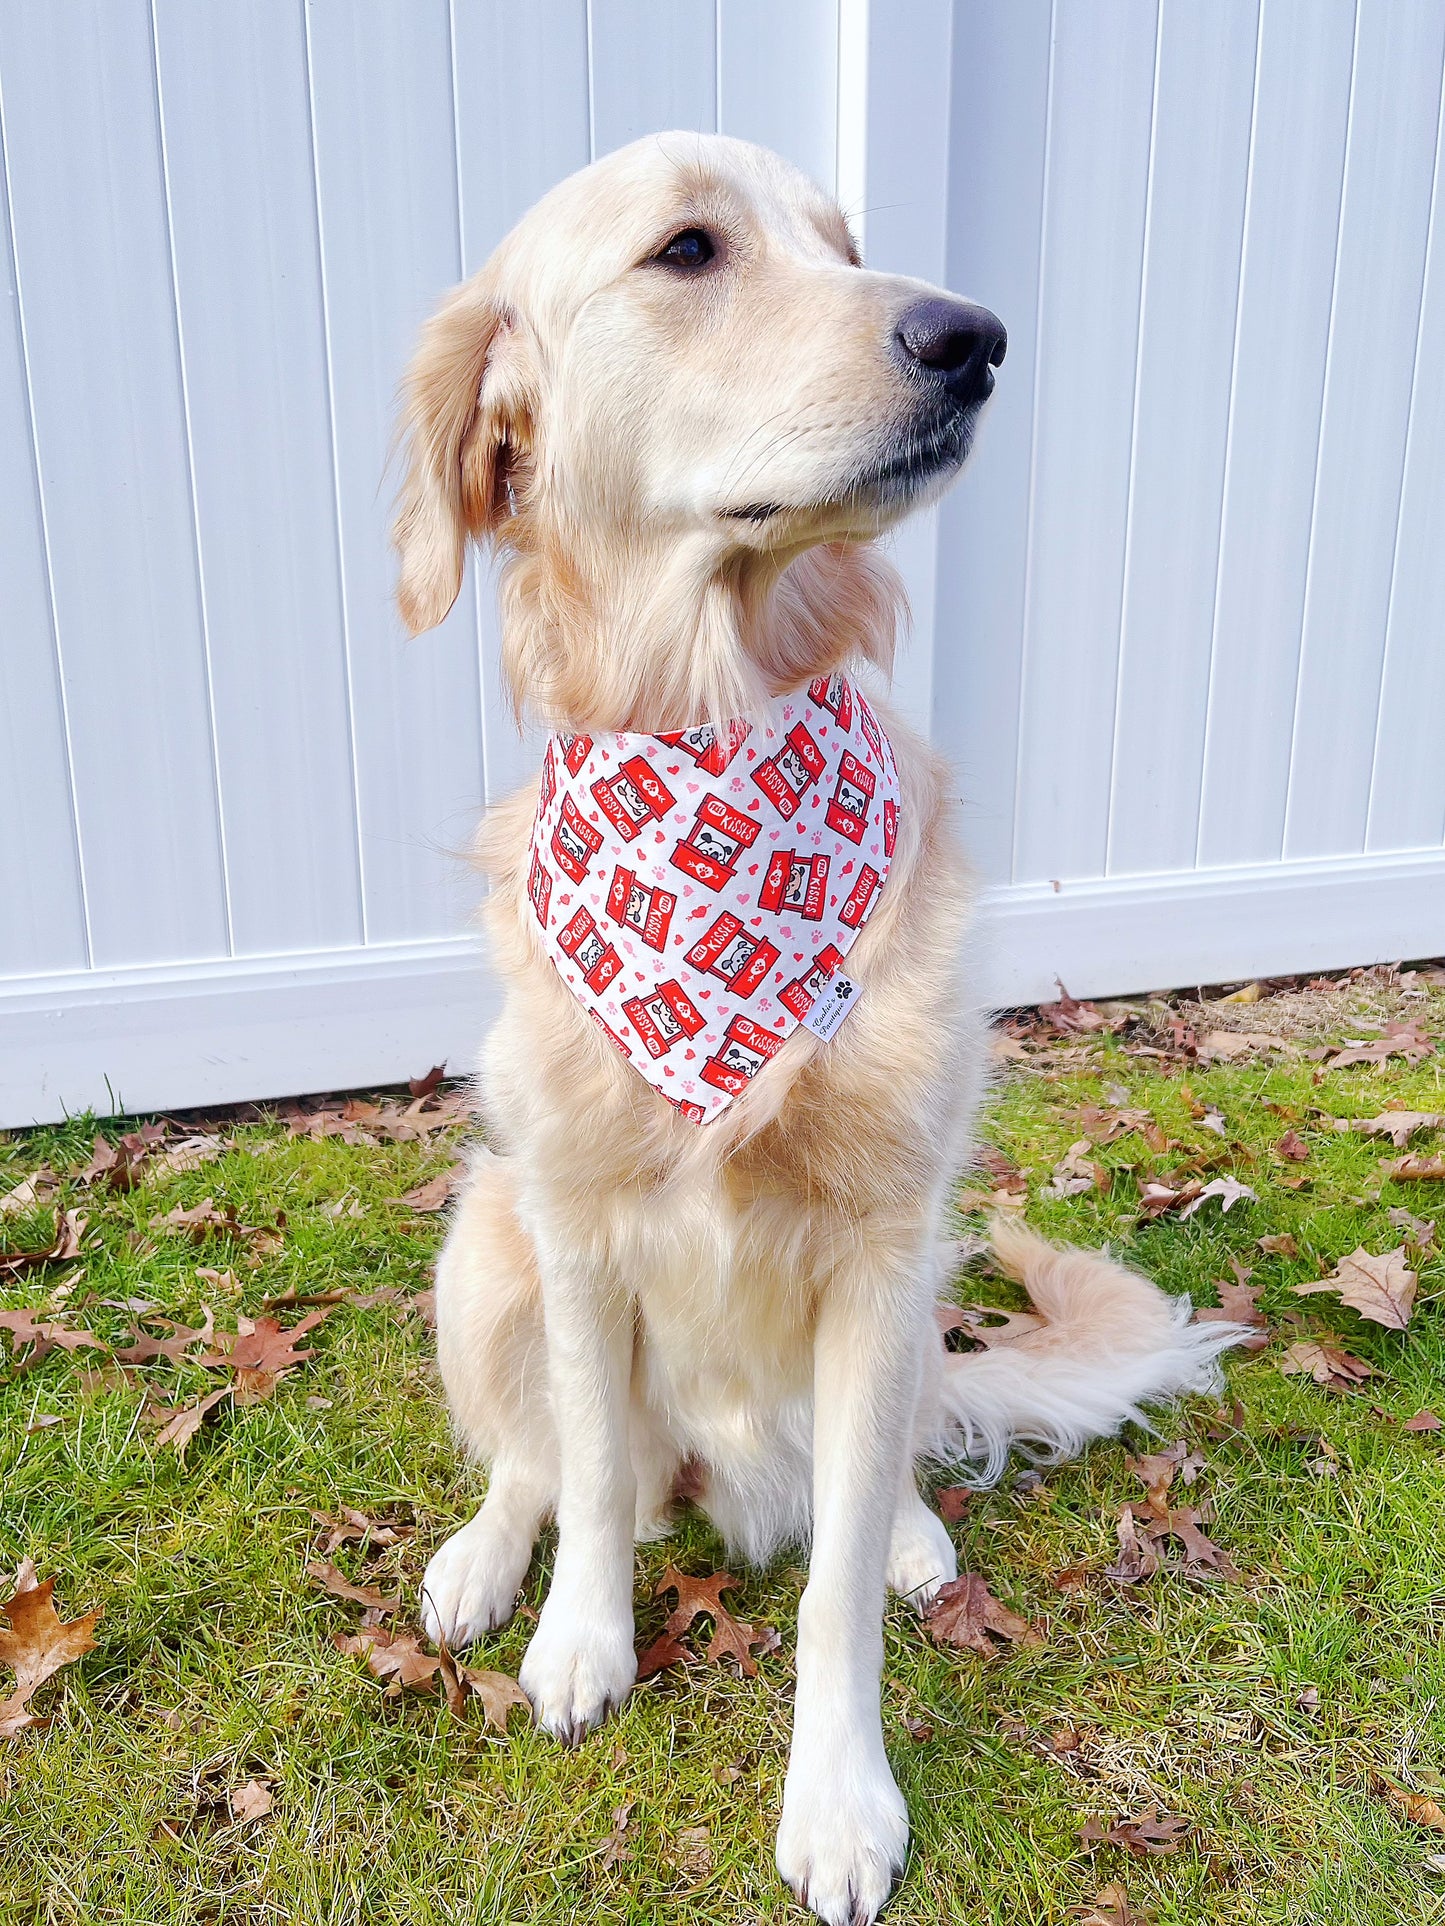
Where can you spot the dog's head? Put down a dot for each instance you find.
(675, 365)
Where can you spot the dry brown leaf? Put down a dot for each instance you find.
(966, 1614)
(1417, 1170)
(24, 1327)
(1278, 1244)
(986, 1324)
(427, 1085)
(499, 1693)
(185, 1424)
(252, 1800)
(1076, 1173)
(1327, 1364)
(355, 1525)
(330, 1579)
(953, 1502)
(702, 1598)
(1398, 1125)
(1293, 1148)
(395, 1658)
(1138, 1561)
(36, 1644)
(1400, 1040)
(1230, 1044)
(614, 1848)
(1109, 1907)
(69, 1234)
(1238, 1304)
(260, 1352)
(434, 1195)
(1152, 1834)
(1228, 1190)
(1157, 1196)
(1381, 1288)
(35, 1189)
(1423, 1421)
(1414, 1806)
(148, 1347)
(664, 1650)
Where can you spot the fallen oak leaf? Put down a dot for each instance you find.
(332, 1580)
(396, 1658)
(32, 1190)
(1076, 1173)
(1423, 1421)
(702, 1598)
(434, 1195)
(1228, 1190)
(1400, 1040)
(1278, 1244)
(1156, 1196)
(1327, 1364)
(499, 1693)
(365, 1531)
(1380, 1287)
(427, 1085)
(666, 1649)
(1230, 1044)
(185, 1424)
(1293, 1147)
(25, 1328)
(1152, 1834)
(69, 1233)
(1398, 1125)
(1238, 1304)
(147, 1348)
(1109, 1907)
(1138, 1561)
(252, 1800)
(1414, 1806)
(966, 1614)
(36, 1644)
(986, 1324)
(1416, 1170)
(260, 1352)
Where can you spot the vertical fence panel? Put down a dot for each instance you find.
(1301, 115)
(1379, 282)
(94, 273)
(997, 148)
(654, 66)
(787, 100)
(1407, 793)
(42, 908)
(381, 96)
(236, 124)
(1099, 136)
(1186, 362)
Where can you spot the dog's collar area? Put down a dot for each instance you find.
(697, 889)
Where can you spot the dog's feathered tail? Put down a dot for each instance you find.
(1111, 1343)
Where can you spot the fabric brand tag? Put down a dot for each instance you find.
(831, 1005)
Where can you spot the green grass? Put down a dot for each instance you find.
(214, 1662)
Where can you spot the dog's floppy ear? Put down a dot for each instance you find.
(463, 421)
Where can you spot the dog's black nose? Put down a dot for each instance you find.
(956, 340)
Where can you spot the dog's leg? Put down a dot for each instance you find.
(492, 1353)
(471, 1583)
(581, 1662)
(844, 1830)
(921, 1555)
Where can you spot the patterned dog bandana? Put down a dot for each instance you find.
(698, 892)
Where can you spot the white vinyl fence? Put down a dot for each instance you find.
(1182, 626)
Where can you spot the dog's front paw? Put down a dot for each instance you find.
(844, 1834)
(471, 1583)
(579, 1666)
(921, 1557)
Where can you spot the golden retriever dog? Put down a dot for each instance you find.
(681, 409)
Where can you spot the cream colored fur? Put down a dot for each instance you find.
(626, 1297)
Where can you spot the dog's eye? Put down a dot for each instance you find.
(688, 250)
